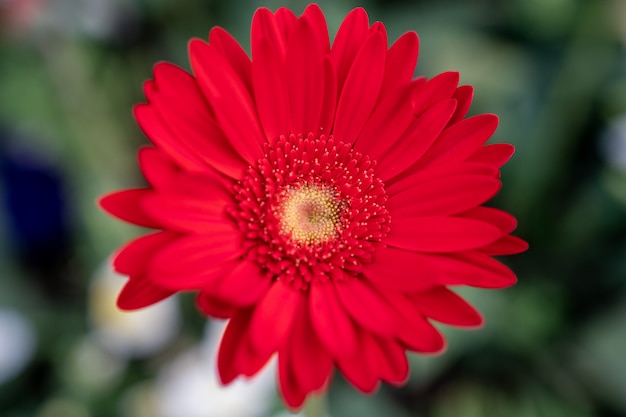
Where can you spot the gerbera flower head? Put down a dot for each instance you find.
(319, 197)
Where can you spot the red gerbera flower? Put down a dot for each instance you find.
(319, 197)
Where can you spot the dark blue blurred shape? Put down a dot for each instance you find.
(35, 207)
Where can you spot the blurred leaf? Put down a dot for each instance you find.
(599, 356)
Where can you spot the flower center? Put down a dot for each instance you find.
(310, 207)
(310, 214)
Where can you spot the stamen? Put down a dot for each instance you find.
(310, 214)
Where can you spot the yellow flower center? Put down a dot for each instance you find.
(310, 214)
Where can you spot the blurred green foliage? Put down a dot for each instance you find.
(553, 70)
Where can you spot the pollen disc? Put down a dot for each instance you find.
(310, 214)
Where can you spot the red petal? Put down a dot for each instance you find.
(289, 388)
(384, 359)
(361, 89)
(391, 359)
(332, 325)
(496, 154)
(463, 96)
(416, 332)
(164, 138)
(445, 306)
(194, 261)
(126, 205)
(440, 234)
(316, 18)
(379, 27)
(157, 168)
(230, 49)
(416, 140)
(311, 364)
(176, 91)
(305, 78)
(401, 270)
(231, 346)
(461, 140)
(184, 109)
(200, 185)
(243, 285)
(229, 98)
(215, 307)
(443, 196)
(411, 179)
(134, 257)
(438, 88)
(149, 87)
(187, 214)
(474, 269)
(366, 306)
(270, 89)
(501, 219)
(389, 120)
(348, 42)
(424, 337)
(139, 292)
(303, 363)
(208, 276)
(273, 317)
(401, 61)
(235, 356)
(285, 20)
(267, 26)
(329, 105)
(356, 368)
(506, 245)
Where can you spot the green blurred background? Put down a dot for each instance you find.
(554, 345)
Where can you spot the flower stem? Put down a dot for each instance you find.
(316, 406)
